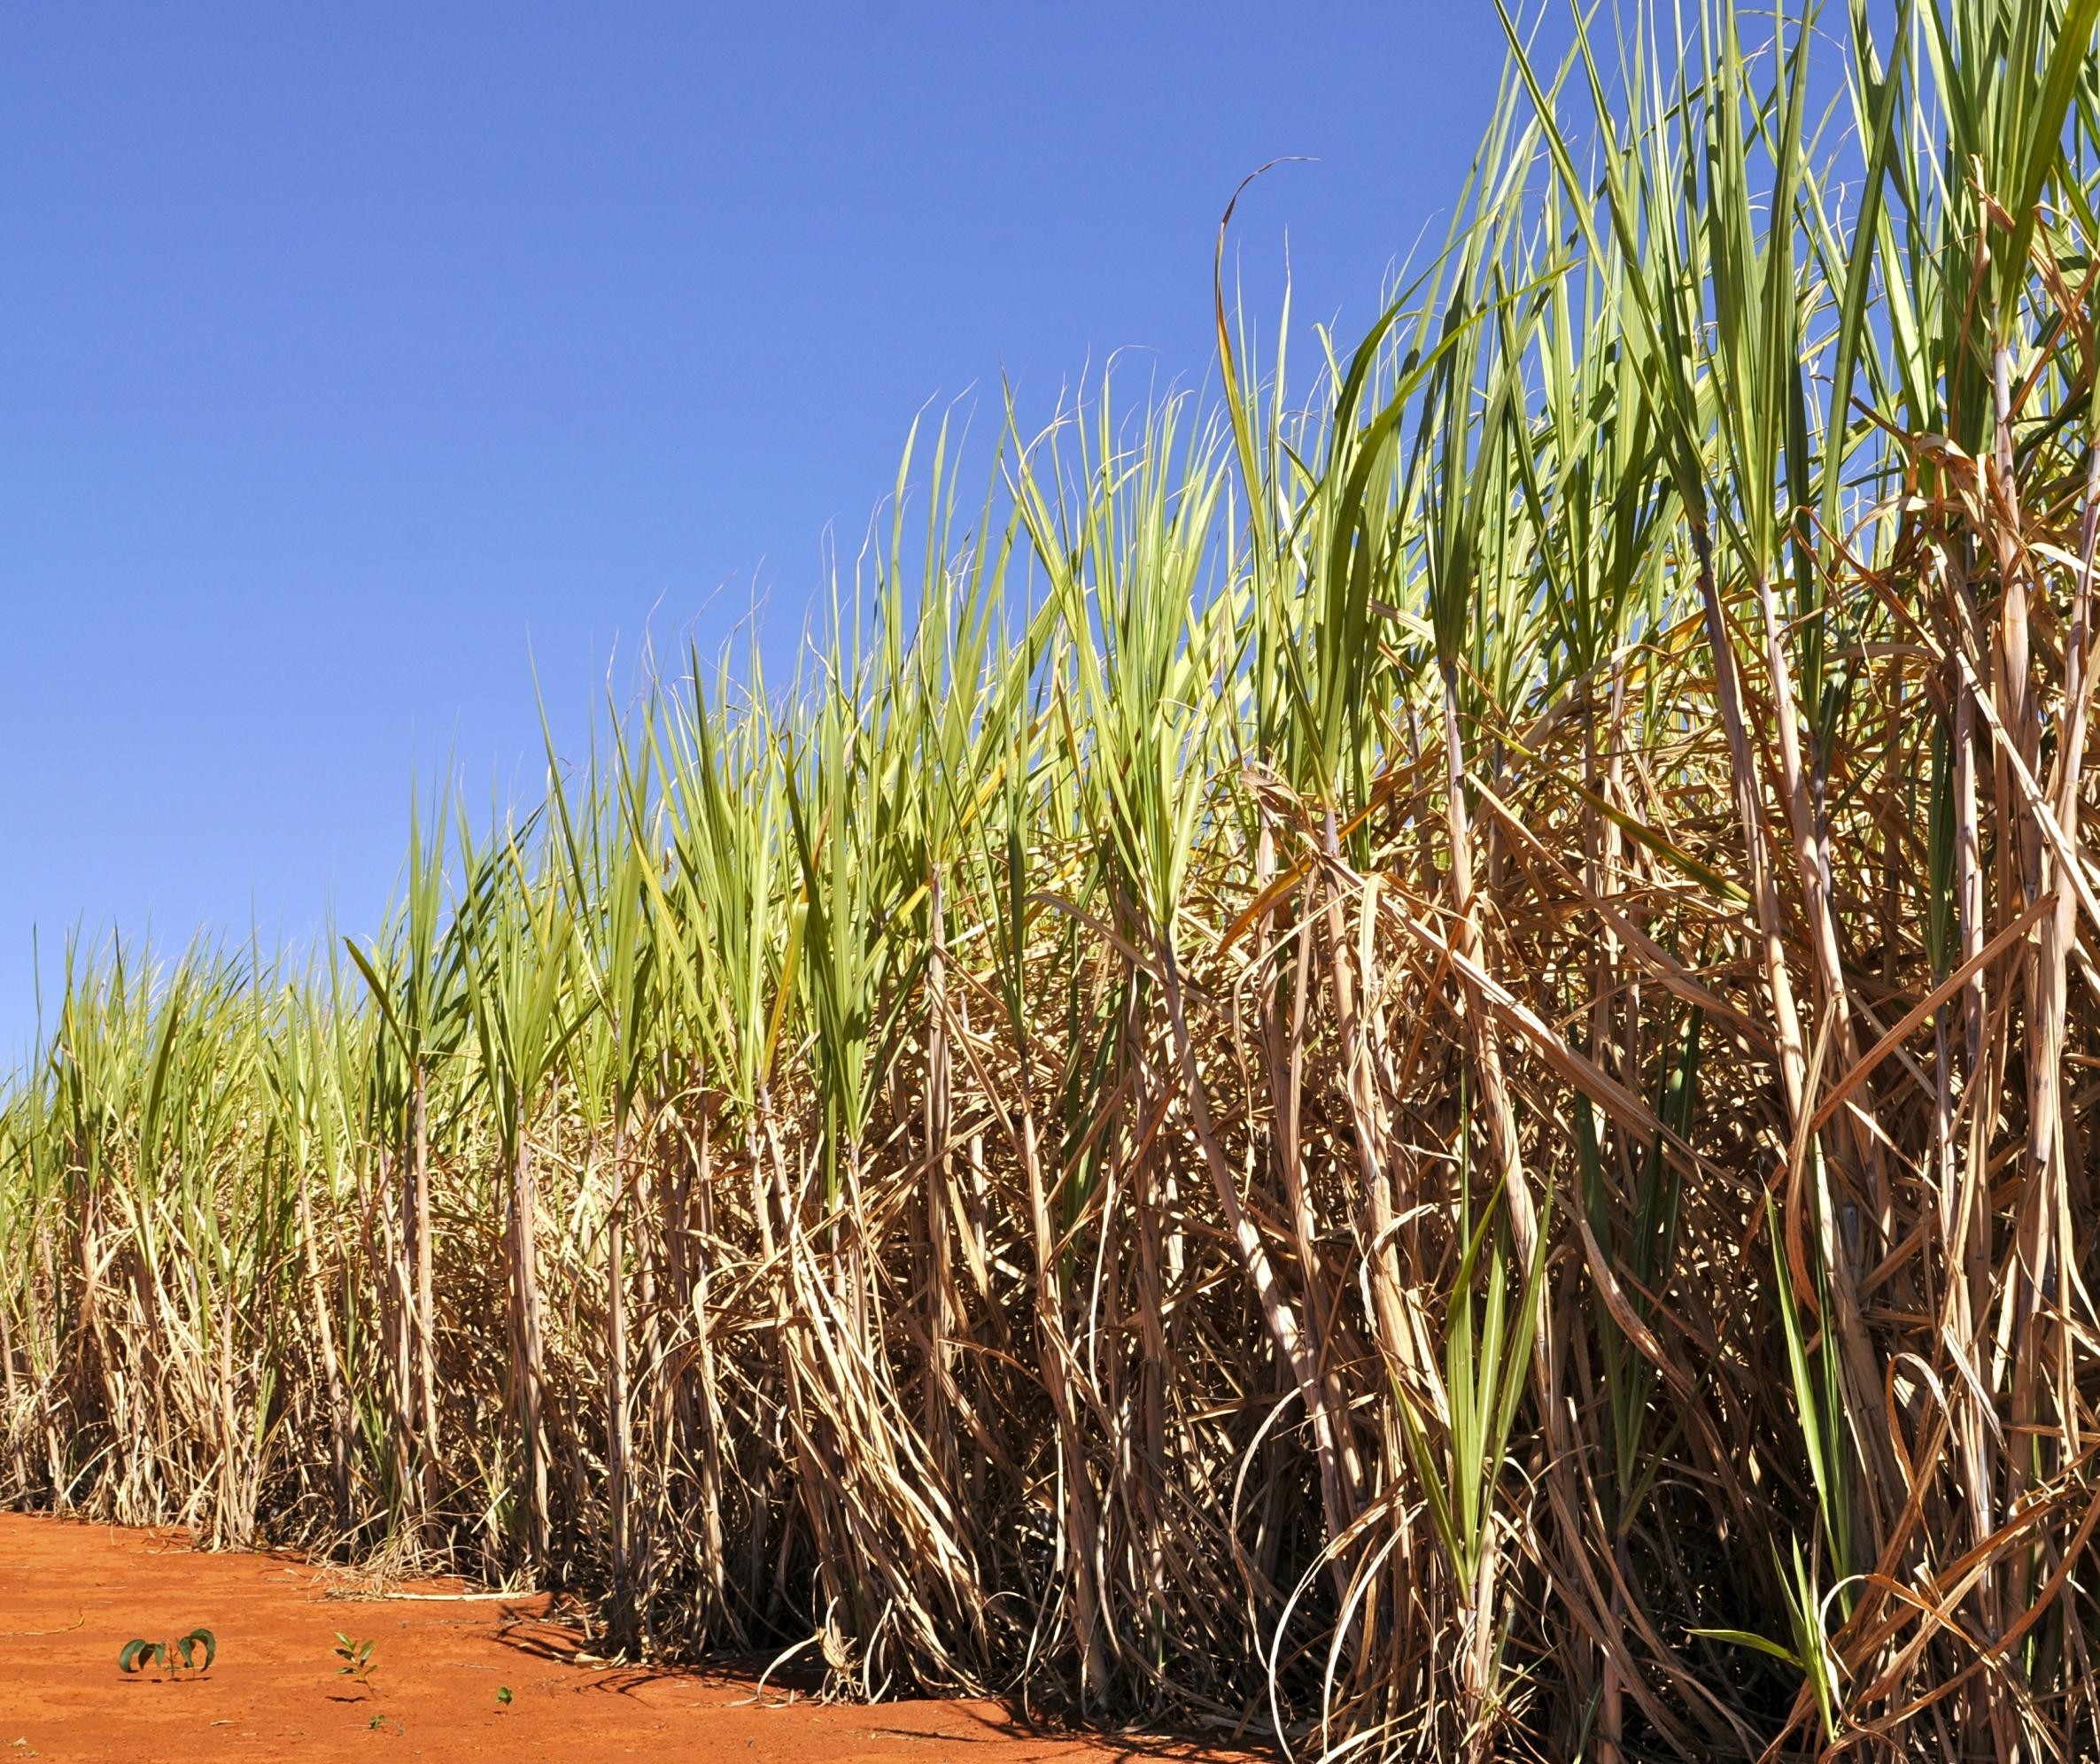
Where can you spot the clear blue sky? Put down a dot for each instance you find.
(356, 359)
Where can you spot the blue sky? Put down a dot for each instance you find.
(362, 362)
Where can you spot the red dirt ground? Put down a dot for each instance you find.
(72, 1595)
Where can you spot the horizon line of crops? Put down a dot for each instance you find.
(1412, 1070)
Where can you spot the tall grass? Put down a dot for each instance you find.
(1407, 1066)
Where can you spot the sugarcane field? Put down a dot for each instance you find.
(1383, 1046)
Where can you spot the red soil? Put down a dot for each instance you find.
(72, 1595)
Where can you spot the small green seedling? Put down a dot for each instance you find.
(358, 1664)
(173, 1657)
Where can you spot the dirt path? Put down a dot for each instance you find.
(72, 1595)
